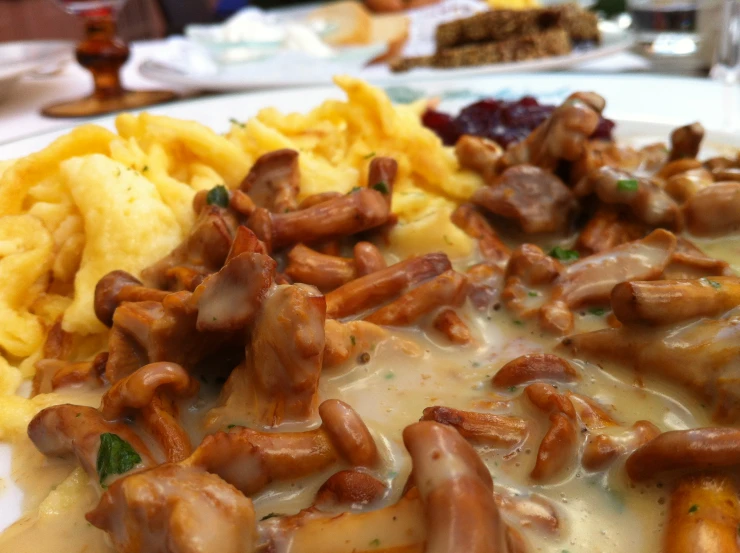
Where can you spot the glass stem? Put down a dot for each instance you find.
(103, 54)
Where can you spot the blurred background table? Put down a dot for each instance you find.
(144, 22)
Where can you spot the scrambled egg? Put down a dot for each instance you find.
(94, 201)
(337, 142)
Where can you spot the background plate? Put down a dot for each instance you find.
(297, 70)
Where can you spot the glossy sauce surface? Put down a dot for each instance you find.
(408, 371)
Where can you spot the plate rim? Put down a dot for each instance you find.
(328, 88)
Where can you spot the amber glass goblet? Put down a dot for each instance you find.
(103, 54)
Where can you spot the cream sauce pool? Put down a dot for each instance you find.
(412, 370)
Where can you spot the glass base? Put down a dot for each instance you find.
(89, 106)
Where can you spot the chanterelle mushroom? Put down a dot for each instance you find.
(66, 430)
(176, 509)
(278, 380)
(250, 460)
(536, 199)
(456, 490)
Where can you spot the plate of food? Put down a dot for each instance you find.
(456, 38)
(482, 320)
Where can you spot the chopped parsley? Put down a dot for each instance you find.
(375, 543)
(627, 185)
(369, 156)
(714, 284)
(218, 195)
(512, 388)
(564, 255)
(390, 376)
(533, 294)
(78, 415)
(115, 456)
(517, 322)
(354, 189)
(693, 508)
(270, 515)
(231, 426)
(237, 123)
(353, 340)
(597, 311)
(145, 169)
(381, 187)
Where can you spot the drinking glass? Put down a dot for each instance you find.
(103, 54)
(727, 61)
(677, 35)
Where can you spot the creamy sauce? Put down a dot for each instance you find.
(412, 370)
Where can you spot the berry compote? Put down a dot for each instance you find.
(498, 120)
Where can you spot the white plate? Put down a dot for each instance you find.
(20, 58)
(298, 70)
(643, 99)
(640, 105)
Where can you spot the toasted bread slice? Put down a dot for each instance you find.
(554, 42)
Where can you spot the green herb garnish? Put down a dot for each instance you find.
(231, 426)
(381, 187)
(533, 294)
(564, 255)
(369, 156)
(389, 376)
(517, 322)
(714, 284)
(218, 195)
(353, 340)
(598, 311)
(115, 456)
(237, 123)
(270, 515)
(375, 543)
(354, 189)
(693, 508)
(628, 185)
(512, 388)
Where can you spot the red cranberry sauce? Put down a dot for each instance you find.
(498, 120)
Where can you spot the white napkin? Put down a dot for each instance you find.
(184, 56)
(423, 23)
(253, 34)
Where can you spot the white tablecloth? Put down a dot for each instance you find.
(20, 112)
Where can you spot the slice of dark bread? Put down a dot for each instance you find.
(496, 25)
(554, 42)
(582, 25)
